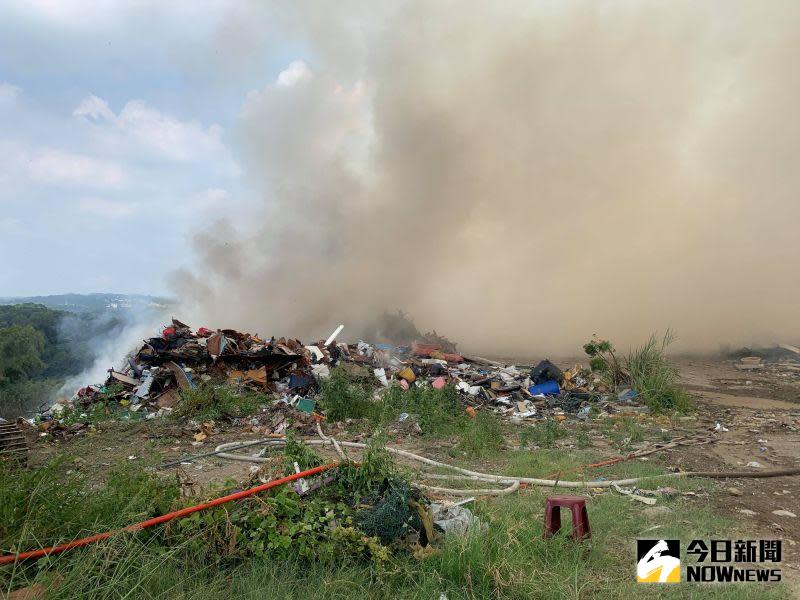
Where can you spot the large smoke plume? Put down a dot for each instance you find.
(519, 175)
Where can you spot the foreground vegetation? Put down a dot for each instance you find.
(506, 557)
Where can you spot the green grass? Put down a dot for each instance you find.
(543, 434)
(440, 411)
(508, 558)
(623, 431)
(347, 397)
(208, 402)
(481, 437)
(582, 439)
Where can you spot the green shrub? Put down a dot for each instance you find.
(208, 401)
(278, 526)
(373, 473)
(603, 360)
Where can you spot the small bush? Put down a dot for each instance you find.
(603, 360)
(656, 381)
(376, 469)
(208, 401)
(544, 434)
(279, 526)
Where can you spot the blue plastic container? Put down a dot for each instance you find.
(548, 388)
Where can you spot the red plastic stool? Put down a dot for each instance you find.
(580, 518)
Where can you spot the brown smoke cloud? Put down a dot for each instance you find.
(520, 175)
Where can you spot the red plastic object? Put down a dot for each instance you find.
(580, 518)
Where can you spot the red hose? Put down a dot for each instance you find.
(4, 560)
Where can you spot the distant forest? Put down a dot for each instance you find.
(40, 346)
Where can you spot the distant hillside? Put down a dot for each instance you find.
(81, 303)
(45, 340)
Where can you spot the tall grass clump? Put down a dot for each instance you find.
(440, 411)
(651, 375)
(482, 436)
(208, 401)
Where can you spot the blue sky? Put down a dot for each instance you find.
(117, 135)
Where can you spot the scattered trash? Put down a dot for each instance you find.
(546, 371)
(452, 519)
(631, 493)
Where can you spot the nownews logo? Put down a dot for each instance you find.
(659, 561)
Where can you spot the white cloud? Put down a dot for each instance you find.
(8, 92)
(59, 167)
(145, 126)
(106, 208)
(12, 226)
(94, 108)
(294, 73)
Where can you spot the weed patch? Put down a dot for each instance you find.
(482, 436)
(208, 401)
(344, 397)
(544, 434)
(302, 454)
(440, 411)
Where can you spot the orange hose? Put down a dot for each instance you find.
(4, 560)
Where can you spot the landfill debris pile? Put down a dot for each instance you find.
(289, 372)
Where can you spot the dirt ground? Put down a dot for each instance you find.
(758, 412)
(761, 410)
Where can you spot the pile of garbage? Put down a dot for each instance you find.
(180, 359)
